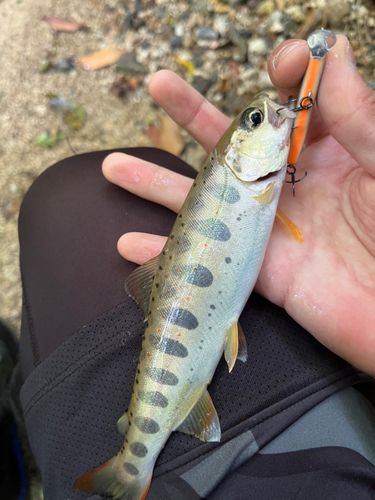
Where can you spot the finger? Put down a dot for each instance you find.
(147, 180)
(188, 108)
(286, 66)
(347, 105)
(140, 247)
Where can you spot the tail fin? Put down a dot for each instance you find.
(108, 480)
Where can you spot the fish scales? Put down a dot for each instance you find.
(199, 286)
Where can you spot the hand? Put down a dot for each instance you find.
(327, 284)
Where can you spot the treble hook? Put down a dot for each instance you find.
(291, 170)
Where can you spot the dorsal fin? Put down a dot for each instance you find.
(202, 421)
(139, 283)
(235, 345)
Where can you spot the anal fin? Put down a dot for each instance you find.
(202, 421)
(235, 345)
(291, 227)
(122, 424)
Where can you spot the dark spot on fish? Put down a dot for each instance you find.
(126, 440)
(182, 224)
(160, 267)
(169, 346)
(224, 192)
(181, 317)
(138, 371)
(129, 423)
(138, 449)
(195, 205)
(194, 184)
(200, 347)
(136, 381)
(131, 414)
(228, 260)
(238, 218)
(163, 253)
(196, 274)
(184, 244)
(172, 236)
(210, 327)
(212, 228)
(157, 285)
(153, 398)
(209, 314)
(191, 369)
(170, 257)
(153, 299)
(130, 469)
(212, 306)
(163, 376)
(180, 216)
(147, 425)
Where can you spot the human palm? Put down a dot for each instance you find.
(327, 284)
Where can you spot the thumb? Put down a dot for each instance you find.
(347, 105)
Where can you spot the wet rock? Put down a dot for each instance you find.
(179, 29)
(65, 65)
(275, 22)
(266, 8)
(176, 42)
(258, 47)
(128, 65)
(207, 33)
(202, 84)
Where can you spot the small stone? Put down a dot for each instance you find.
(65, 65)
(296, 13)
(336, 11)
(264, 81)
(202, 84)
(257, 46)
(179, 29)
(240, 52)
(176, 42)
(207, 33)
(220, 25)
(145, 44)
(265, 8)
(275, 22)
(128, 65)
(234, 35)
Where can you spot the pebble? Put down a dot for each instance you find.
(264, 81)
(176, 42)
(257, 46)
(336, 10)
(128, 65)
(296, 13)
(202, 84)
(65, 65)
(179, 29)
(207, 33)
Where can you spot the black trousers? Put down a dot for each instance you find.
(80, 341)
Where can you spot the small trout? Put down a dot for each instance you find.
(193, 294)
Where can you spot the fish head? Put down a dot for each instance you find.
(257, 142)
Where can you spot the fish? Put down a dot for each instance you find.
(193, 293)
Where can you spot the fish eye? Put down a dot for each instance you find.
(251, 118)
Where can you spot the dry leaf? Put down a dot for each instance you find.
(171, 139)
(100, 59)
(60, 24)
(153, 133)
(190, 66)
(167, 137)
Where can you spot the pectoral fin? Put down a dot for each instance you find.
(292, 228)
(139, 283)
(266, 197)
(202, 421)
(122, 424)
(235, 346)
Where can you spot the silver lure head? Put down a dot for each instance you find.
(257, 142)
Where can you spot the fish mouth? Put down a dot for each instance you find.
(268, 176)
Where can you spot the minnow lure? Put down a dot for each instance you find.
(320, 42)
(193, 293)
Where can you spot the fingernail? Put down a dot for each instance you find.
(350, 55)
(283, 52)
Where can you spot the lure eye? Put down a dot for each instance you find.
(251, 118)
